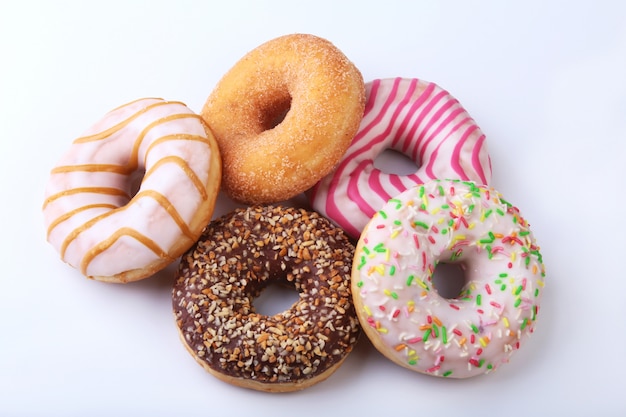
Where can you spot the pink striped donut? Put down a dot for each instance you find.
(416, 118)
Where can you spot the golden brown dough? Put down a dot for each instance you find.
(283, 116)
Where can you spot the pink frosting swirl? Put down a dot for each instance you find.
(416, 118)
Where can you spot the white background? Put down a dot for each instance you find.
(544, 80)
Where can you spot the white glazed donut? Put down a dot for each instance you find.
(416, 118)
(402, 312)
(97, 219)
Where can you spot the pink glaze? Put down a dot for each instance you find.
(416, 118)
(400, 309)
(95, 216)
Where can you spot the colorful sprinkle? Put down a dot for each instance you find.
(396, 202)
(423, 225)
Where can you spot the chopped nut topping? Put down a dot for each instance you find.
(238, 256)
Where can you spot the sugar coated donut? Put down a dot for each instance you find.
(416, 118)
(283, 116)
(239, 255)
(96, 217)
(402, 312)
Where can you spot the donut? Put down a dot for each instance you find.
(134, 192)
(416, 118)
(403, 314)
(238, 256)
(283, 116)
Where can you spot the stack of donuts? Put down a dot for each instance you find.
(293, 118)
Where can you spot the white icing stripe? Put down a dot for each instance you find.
(416, 118)
(91, 215)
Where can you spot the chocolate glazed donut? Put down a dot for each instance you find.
(238, 256)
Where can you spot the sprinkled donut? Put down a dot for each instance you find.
(239, 255)
(416, 118)
(403, 314)
(96, 217)
(283, 116)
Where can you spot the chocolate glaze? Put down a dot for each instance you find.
(236, 257)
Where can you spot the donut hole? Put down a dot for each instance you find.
(275, 298)
(134, 181)
(449, 280)
(394, 162)
(275, 113)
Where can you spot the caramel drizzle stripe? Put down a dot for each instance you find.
(78, 190)
(115, 169)
(115, 128)
(186, 169)
(133, 102)
(170, 209)
(126, 169)
(124, 231)
(134, 159)
(71, 213)
(162, 200)
(168, 138)
(77, 231)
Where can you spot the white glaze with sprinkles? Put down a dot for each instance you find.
(403, 314)
(93, 215)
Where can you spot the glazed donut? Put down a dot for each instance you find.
(416, 118)
(96, 217)
(283, 116)
(238, 256)
(400, 309)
